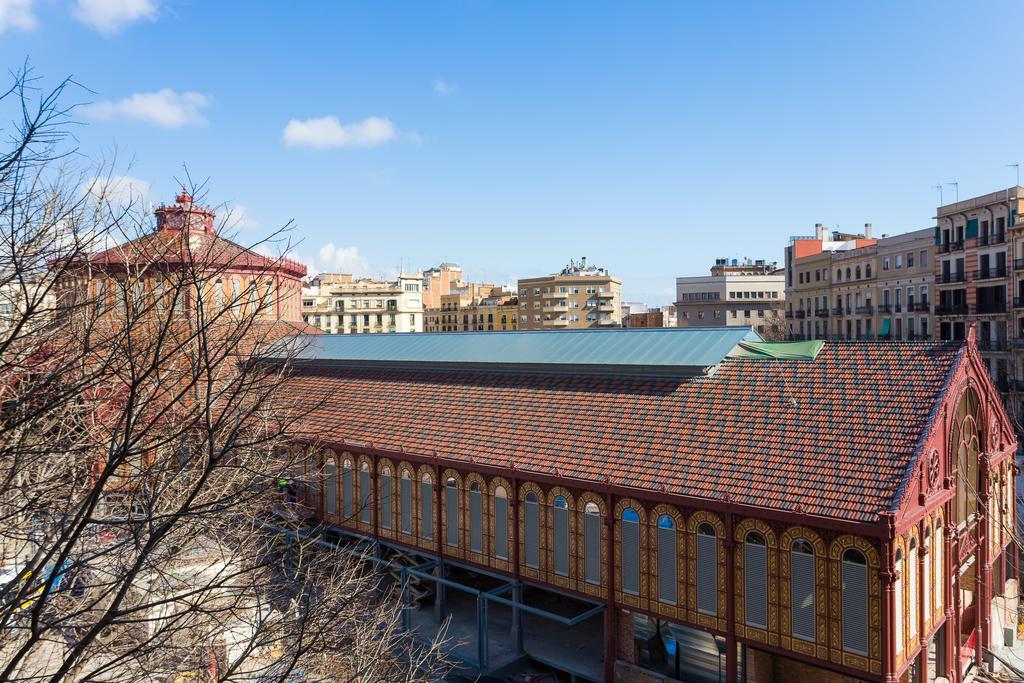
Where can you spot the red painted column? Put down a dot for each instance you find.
(888, 578)
(922, 613)
(984, 568)
(951, 594)
(611, 611)
(730, 601)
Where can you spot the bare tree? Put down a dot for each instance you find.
(141, 439)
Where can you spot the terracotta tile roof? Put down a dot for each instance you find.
(832, 435)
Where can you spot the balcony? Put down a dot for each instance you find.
(885, 308)
(608, 308)
(1018, 264)
(801, 314)
(946, 278)
(865, 310)
(951, 309)
(990, 307)
(821, 312)
(557, 322)
(993, 345)
(555, 308)
(991, 274)
(997, 238)
(605, 295)
(950, 246)
(919, 306)
(1018, 302)
(789, 314)
(838, 310)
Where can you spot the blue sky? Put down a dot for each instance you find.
(512, 136)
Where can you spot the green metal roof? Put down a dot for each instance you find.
(670, 349)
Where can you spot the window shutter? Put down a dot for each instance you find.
(630, 557)
(331, 494)
(667, 565)
(855, 607)
(365, 514)
(476, 533)
(501, 528)
(707, 574)
(561, 532)
(532, 535)
(385, 501)
(346, 491)
(755, 578)
(426, 510)
(451, 503)
(592, 547)
(406, 505)
(802, 587)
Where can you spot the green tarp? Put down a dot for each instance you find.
(886, 325)
(796, 350)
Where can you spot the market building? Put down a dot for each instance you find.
(667, 503)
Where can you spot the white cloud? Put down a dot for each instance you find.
(110, 16)
(119, 190)
(164, 108)
(237, 218)
(17, 14)
(327, 132)
(332, 259)
(443, 87)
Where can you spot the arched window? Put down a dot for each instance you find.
(500, 523)
(218, 293)
(755, 580)
(926, 589)
(801, 590)
(867, 270)
(667, 560)
(855, 602)
(314, 480)
(347, 494)
(966, 444)
(405, 503)
(592, 543)
(476, 518)
(839, 274)
(707, 569)
(331, 485)
(847, 272)
(560, 524)
(857, 272)
(236, 293)
(630, 550)
(898, 599)
(365, 494)
(426, 508)
(938, 580)
(386, 497)
(531, 525)
(451, 504)
(912, 586)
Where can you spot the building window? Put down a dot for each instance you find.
(857, 272)
(707, 570)
(346, 488)
(560, 531)
(855, 602)
(899, 260)
(405, 504)
(898, 607)
(314, 478)
(910, 259)
(476, 513)
(867, 270)
(365, 512)
(531, 524)
(801, 590)
(912, 586)
(386, 494)
(885, 263)
(500, 523)
(926, 593)
(451, 504)
(630, 551)
(755, 579)
(331, 484)
(592, 544)
(923, 258)
(426, 507)
(937, 580)
(667, 560)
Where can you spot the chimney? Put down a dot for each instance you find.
(819, 232)
(867, 230)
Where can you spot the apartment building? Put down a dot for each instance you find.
(474, 307)
(845, 286)
(439, 281)
(336, 303)
(735, 294)
(580, 296)
(663, 316)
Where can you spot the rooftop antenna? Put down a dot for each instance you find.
(1015, 167)
(956, 186)
(938, 186)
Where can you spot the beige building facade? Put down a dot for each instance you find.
(580, 296)
(439, 281)
(336, 303)
(858, 287)
(474, 308)
(735, 294)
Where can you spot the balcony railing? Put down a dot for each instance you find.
(838, 310)
(991, 274)
(947, 247)
(821, 312)
(991, 307)
(789, 314)
(951, 309)
(865, 310)
(919, 306)
(1018, 264)
(1018, 302)
(993, 344)
(801, 314)
(946, 278)
(884, 308)
(997, 238)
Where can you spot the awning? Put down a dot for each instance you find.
(797, 350)
(886, 324)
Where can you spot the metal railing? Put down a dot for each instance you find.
(991, 273)
(947, 247)
(946, 278)
(952, 309)
(991, 307)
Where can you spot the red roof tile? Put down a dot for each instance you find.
(833, 435)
